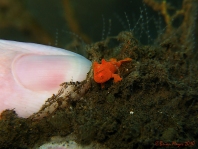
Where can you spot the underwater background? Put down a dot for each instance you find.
(58, 23)
(156, 104)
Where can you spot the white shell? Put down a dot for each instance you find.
(23, 100)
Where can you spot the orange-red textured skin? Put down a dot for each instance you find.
(106, 70)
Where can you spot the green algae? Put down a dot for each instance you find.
(156, 100)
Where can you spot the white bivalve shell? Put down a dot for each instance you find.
(31, 73)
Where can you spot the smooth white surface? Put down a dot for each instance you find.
(21, 64)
